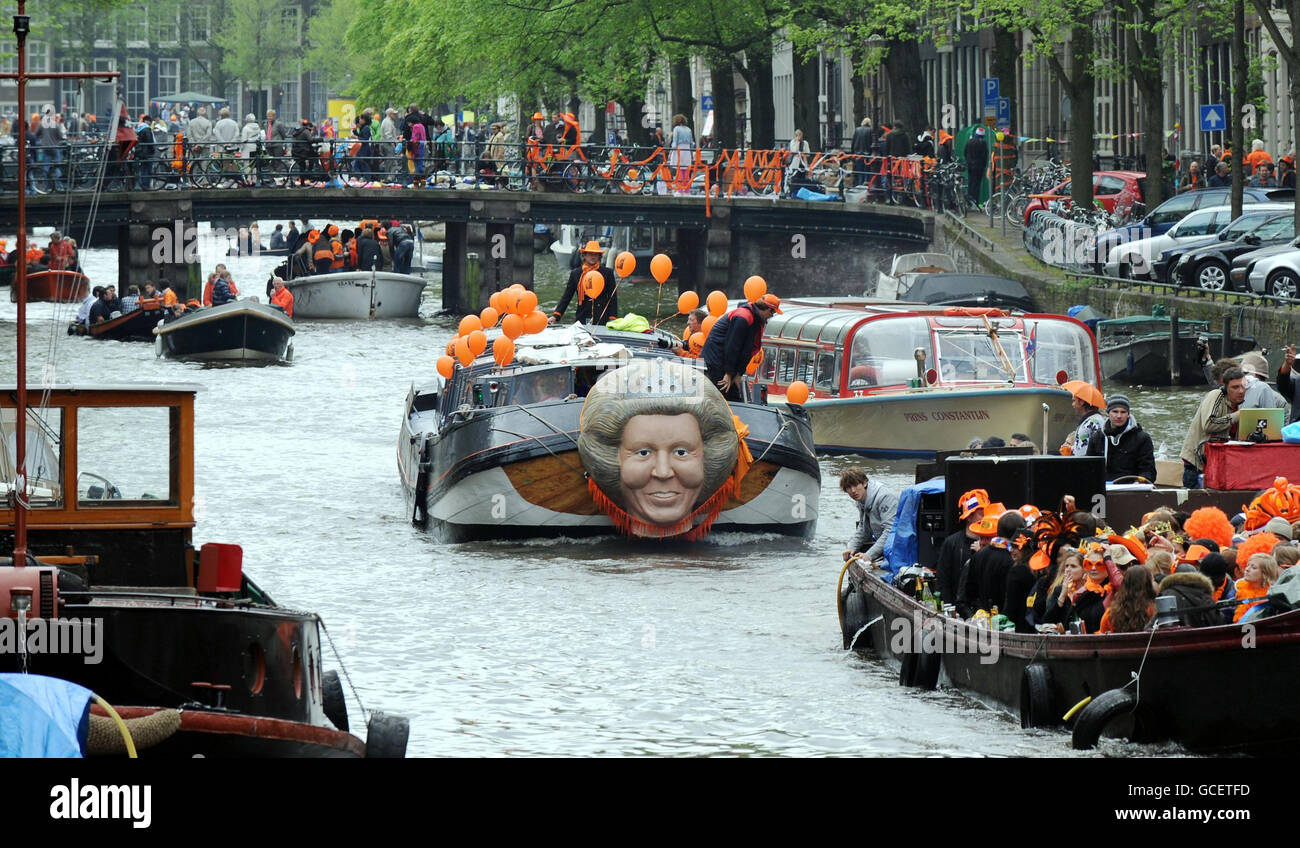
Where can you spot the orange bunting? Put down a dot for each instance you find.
(754, 362)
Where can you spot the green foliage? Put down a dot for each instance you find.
(256, 41)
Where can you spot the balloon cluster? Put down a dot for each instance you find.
(515, 309)
(688, 301)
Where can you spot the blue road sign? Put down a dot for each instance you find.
(1213, 118)
(706, 103)
(991, 91)
(1004, 112)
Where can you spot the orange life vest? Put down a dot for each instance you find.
(1247, 592)
(336, 251)
(284, 299)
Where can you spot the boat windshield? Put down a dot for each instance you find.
(123, 455)
(883, 351)
(1062, 346)
(974, 355)
(542, 385)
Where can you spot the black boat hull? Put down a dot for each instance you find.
(237, 333)
(1145, 361)
(134, 326)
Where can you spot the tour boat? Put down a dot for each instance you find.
(892, 379)
(241, 331)
(495, 453)
(357, 295)
(54, 287)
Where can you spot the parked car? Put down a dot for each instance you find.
(1135, 259)
(1113, 189)
(1173, 210)
(1277, 275)
(1208, 267)
(1239, 272)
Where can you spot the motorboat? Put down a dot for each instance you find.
(894, 284)
(498, 452)
(977, 290)
(134, 326)
(1140, 350)
(357, 295)
(54, 287)
(239, 332)
(891, 379)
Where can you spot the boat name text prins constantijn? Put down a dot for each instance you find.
(955, 415)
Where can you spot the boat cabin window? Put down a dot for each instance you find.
(785, 367)
(41, 462)
(805, 367)
(767, 371)
(539, 386)
(974, 355)
(883, 352)
(1062, 346)
(123, 455)
(826, 372)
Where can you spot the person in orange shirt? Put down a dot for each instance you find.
(281, 296)
(1257, 156)
(62, 255)
(1260, 572)
(168, 296)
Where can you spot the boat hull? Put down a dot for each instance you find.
(1211, 689)
(212, 734)
(1145, 361)
(357, 295)
(134, 326)
(919, 423)
(54, 287)
(239, 332)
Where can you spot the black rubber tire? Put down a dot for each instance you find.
(855, 615)
(1036, 701)
(335, 706)
(1093, 719)
(386, 736)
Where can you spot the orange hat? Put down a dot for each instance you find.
(971, 501)
(988, 525)
(538, 116)
(1039, 561)
(313, 236)
(1195, 554)
(772, 301)
(1030, 513)
(944, 137)
(1136, 548)
(592, 247)
(332, 230)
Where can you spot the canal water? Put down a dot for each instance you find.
(593, 648)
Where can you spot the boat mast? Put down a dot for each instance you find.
(22, 26)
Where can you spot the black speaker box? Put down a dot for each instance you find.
(1018, 480)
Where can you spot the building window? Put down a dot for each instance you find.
(37, 57)
(198, 78)
(289, 21)
(137, 87)
(9, 64)
(318, 108)
(200, 23)
(167, 29)
(290, 108)
(68, 97)
(135, 24)
(169, 77)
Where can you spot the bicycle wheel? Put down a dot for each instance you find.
(630, 179)
(996, 206)
(762, 181)
(1016, 207)
(204, 173)
(574, 178)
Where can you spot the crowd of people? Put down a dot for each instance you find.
(1213, 171)
(371, 246)
(59, 254)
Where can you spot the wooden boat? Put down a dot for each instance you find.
(134, 326)
(493, 452)
(176, 628)
(357, 295)
(1137, 350)
(895, 379)
(237, 332)
(54, 287)
(1212, 689)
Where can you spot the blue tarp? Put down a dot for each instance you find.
(42, 716)
(808, 194)
(901, 544)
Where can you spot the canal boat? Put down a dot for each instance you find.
(357, 295)
(239, 332)
(891, 379)
(498, 452)
(54, 287)
(975, 290)
(134, 326)
(1138, 350)
(903, 269)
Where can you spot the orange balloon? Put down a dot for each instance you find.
(687, 301)
(717, 303)
(593, 283)
(754, 362)
(469, 324)
(707, 324)
(446, 365)
(797, 393)
(495, 301)
(624, 263)
(697, 343)
(463, 353)
(755, 287)
(477, 342)
(661, 267)
(535, 322)
(489, 317)
(451, 347)
(513, 326)
(503, 350)
(527, 302)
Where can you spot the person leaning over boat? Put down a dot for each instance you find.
(1215, 418)
(369, 255)
(877, 508)
(591, 310)
(955, 552)
(281, 296)
(402, 243)
(733, 342)
(1122, 441)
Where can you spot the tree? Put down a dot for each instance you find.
(1289, 50)
(256, 39)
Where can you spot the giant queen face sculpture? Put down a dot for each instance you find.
(658, 442)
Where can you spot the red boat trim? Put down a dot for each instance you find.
(259, 727)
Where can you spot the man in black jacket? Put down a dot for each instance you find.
(977, 159)
(898, 142)
(369, 255)
(734, 340)
(956, 552)
(600, 309)
(1122, 441)
(861, 149)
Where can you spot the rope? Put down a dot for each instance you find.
(343, 668)
(121, 726)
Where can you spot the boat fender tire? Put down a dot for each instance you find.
(920, 669)
(1036, 697)
(336, 708)
(1093, 720)
(855, 616)
(386, 736)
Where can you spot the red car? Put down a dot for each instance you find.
(1111, 188)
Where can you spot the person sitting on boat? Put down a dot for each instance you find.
(1021, 576)
(1260, 572)
(338, 252)
(37, 260)
(101, 309)
(322, 256)
(591, 310)
(1078, 594)
(1090, 421)
(877, 508)
(1215, 418)
(370, 257)
(955, 552)
(83, 312)
(1259, 394)
(61, 253)
(1214, 568)
(131, 302)
(282, 297)
(734, 340)
(1122, 441)
(986, 575)
(1135, 602)
(1019, 440)
(212, 278)
(223, 290)
(277, 238)
(168, 296)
